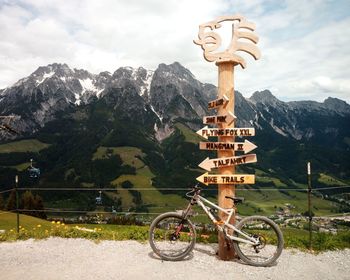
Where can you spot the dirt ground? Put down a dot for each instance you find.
(58, 258)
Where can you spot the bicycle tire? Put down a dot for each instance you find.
(165, 242)
(270, 236)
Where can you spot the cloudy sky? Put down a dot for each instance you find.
(305, 44)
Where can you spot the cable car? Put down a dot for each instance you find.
(98, 199)
(34, 172)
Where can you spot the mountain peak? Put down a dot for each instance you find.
(265, 97)
(177, 70)
(337, 105)
(59, 69)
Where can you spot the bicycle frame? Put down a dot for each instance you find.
(221, 225)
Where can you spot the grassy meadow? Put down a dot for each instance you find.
(31, 227)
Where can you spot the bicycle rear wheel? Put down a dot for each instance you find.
(269, 236)
(171, 237)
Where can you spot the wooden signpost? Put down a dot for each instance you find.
(243, 39)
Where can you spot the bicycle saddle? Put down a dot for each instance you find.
(235, 199)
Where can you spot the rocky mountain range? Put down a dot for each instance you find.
(135, 128)
(169, 93)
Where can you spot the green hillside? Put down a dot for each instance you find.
(8, 221)
(108, 149)
(31, 145)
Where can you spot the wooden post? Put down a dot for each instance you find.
(226, 86)
(226, 60)
(17, 204)
(309, 190)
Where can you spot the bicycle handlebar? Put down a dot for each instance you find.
(194, 189)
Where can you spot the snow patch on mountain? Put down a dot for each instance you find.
(44, 77)
(159, 116)
(88, 85)
(146, 88)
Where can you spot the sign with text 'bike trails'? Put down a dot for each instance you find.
(226, 179)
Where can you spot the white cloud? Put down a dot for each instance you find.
(304, 54)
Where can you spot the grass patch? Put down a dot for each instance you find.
(190, 135)
(329, 180)
(22, 166)
(265, 179)
(267, 202)
(22, 146)
(129, 155)
(8, 221)
(296, 238)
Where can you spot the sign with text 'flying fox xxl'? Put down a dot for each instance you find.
(228, 119)
(220, 102)
(209, 164)
(245, 146)
(226, 179)
(214, 132)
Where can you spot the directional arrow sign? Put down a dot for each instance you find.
(229, 118)
(228, 179)
(212, 132)
(245, 146)
(209, 164)
(218, 102)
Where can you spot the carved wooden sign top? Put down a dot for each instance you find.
(210, 41)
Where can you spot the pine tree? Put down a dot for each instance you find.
(11, 202)
(27, 202)
(2, 204)
(39, 205)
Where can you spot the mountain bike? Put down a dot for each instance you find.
(257, 240)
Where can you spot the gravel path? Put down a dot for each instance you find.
(57, 258)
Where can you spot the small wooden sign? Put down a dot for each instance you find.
(224, 179)
(214, 132)
(227, 119)
(245, 146)
(209, 164)
(220, 102)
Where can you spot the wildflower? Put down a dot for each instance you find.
(58, 222)
(52, 222)
(11, 230)
(39, 226)
(63, 224)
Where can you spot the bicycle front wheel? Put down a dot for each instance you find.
(171, 237)
(269, 241)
